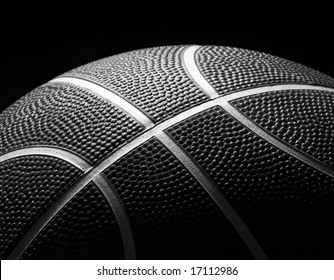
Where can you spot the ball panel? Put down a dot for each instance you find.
(84, 229)
(29, 186)
(286, 204)
(302, 118)
(172, 217)
(152, 79)
(69, 117)
(230, 69)
(276, 195)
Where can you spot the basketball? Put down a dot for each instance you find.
(173, 152)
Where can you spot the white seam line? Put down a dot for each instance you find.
(100, 167)
(195, 74)
(96, 171)
(110, 96)
(53, 210)
(276, 142)
(267, 136)
(182, 116)
(49, 151)
(110, 193)
(189, 63)
(210, 187)
(31, 234)
(224, 103)
(267, 89)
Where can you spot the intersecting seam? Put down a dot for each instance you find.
(152, 130)
(108, 191)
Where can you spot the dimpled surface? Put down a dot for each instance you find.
(69, 117)
(302, 118)
(152, 79)
(172, 217)
(84, 229)
(287, 205)
(230, 69)
(28, 187)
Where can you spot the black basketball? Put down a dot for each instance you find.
(177, 152)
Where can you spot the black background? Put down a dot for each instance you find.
(34, 54)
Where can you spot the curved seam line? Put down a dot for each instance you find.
(49, 151)
(83, 181)
(110, 195)
(212, 189)
(189, 64)
(276, 142)
(36, 228)
(110, 96)
(266, 89)
(197, 77)
(105, 163)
